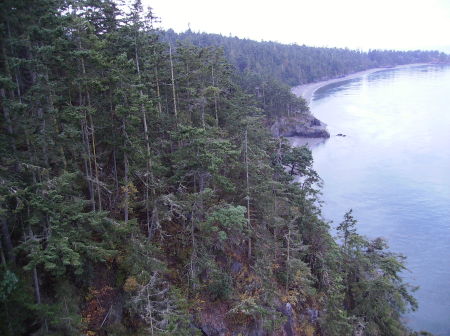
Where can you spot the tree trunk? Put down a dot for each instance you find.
(92, 132)
(194, 251)
(8, 243)
(148, 175)
(87, 162)
(6, 115)
(288, 238)
(248, 197)
(55, 120)
(216, 109)
(127, 195)
(8, 122)
(2, 255)
(116, 178)
(154, 222)
(94, 154)
(203, 115)
(37, 290)
(173, 85)
(40, 114)
(158, 92)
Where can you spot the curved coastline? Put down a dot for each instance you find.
(373, 111)
(306, 91)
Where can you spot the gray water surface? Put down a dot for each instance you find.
(393, 170)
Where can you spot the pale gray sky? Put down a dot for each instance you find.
(356, 24)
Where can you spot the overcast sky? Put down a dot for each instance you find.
(356, 24)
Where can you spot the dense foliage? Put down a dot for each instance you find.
(140, 193)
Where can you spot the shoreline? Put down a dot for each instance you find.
(307, 91)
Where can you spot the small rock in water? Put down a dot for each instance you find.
(341, 135)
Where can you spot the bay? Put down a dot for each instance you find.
(393, 169)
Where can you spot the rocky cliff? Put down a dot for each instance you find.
(215, 320)
(302, 125)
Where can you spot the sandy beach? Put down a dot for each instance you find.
(307, 90)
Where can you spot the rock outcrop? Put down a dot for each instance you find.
(302, 125)
(214, 319)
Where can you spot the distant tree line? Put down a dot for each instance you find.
(294, 64)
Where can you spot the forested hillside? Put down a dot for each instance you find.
(268, 70)
(294, 65)
(140, 193)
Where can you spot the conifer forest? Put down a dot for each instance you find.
(141, 192)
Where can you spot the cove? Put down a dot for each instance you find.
(393, 169)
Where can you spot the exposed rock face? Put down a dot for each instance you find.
(289, 326)
(214, 320)
(304, 125)
(236, 267)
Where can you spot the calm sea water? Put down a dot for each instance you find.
(393, 170)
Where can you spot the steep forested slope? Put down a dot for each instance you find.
(140, 193)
